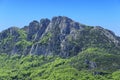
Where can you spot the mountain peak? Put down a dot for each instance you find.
(61, 18)
(59, 36)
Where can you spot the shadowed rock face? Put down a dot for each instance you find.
(60, 36)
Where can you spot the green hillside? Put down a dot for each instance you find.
(80, 67)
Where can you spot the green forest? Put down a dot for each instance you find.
(34, 67)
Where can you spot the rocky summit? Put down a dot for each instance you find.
(58, 36)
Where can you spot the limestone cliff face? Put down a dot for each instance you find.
(58, 36)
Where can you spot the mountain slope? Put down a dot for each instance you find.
(92, 64)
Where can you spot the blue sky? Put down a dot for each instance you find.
(105, 13)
